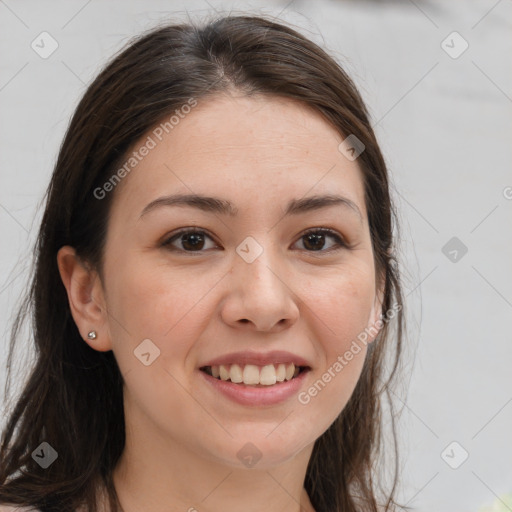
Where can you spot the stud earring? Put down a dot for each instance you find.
(92, 335)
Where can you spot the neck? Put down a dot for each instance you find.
(158, 475)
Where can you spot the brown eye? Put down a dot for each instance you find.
(315, 240)
(194, 240)
(190, 240)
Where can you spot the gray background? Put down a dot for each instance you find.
(444, 125)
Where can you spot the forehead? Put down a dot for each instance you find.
(253, 151)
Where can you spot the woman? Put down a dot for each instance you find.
(215, 287)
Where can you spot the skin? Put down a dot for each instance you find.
(182, 438)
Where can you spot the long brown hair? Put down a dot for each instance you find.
(72, 398)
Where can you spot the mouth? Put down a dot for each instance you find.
(254, 375)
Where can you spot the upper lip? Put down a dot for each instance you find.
(258, 359)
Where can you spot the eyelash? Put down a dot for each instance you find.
(340, 242)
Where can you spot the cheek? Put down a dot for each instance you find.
(157, 302)
(339, 314)
(339, 305)
(148, 301)
(150, 294)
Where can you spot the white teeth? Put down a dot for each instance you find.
(251, 374)
(268, 375)
(223, 372)
(281, 372)
(290, 370)
(235, 373)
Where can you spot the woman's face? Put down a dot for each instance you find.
(249, 289)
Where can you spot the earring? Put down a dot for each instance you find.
(92, 335)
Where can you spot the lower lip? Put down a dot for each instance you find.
(250, 395)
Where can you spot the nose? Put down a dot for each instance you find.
(261, 295)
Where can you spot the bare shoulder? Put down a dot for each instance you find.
(16, 508)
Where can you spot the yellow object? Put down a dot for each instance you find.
(501, 504)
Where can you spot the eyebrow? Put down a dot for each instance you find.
(224, 207)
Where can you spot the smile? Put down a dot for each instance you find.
(254, 375)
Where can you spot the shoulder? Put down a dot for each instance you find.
(17, 508)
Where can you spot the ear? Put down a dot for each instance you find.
(86, 298)
(375, 322)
